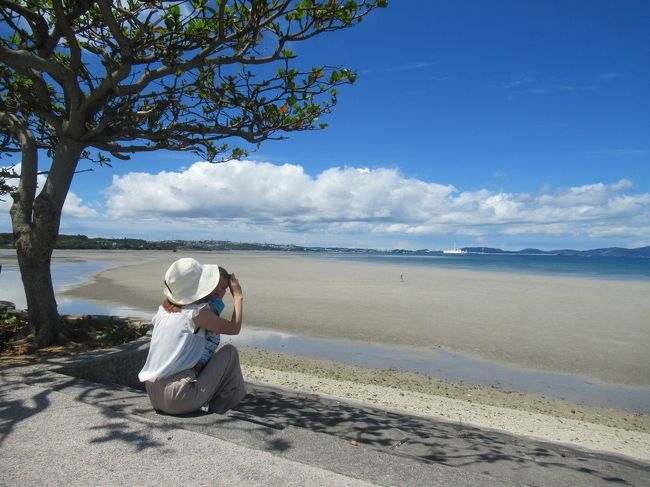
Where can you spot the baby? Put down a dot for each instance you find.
(212, 338)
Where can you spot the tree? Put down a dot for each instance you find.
(95, 79)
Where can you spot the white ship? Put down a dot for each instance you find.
(454, 250)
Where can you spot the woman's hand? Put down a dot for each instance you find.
(235, 287)
(210, 321)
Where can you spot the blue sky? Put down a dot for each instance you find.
(504, 123)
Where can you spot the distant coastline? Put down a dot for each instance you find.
(82, 242)
(604, 252)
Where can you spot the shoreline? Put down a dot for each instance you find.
(413, 382)
(598, 429)
(449, 366)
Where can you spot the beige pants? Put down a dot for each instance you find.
(220, 385)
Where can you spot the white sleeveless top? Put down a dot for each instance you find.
(174, 344)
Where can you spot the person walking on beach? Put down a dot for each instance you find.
(173, 381)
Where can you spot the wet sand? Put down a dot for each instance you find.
(595, 329)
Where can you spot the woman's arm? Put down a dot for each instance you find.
(211, 322)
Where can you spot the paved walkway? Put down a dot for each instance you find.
(57, 429)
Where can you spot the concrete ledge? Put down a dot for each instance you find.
(119, 366)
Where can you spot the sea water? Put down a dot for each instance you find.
(597, 267)
(64, 275)
(443, 364)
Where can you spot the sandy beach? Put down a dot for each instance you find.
(595, 329)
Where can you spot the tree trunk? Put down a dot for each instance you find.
(36, 223)
(34, 261)
(34, 247)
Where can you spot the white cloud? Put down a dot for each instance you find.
(266, 194)
(542, 84)
(515, 81)
(73, 206)
(408, 67)
(250, 196)
(5, 204)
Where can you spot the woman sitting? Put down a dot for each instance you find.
(173, 383)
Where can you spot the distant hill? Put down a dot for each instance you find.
(606, 252)
(616, 252)
(531, 251)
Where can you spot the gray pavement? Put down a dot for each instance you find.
(80, 421)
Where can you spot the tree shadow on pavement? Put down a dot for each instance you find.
(266, 411)
(435, 441)
(16, 410)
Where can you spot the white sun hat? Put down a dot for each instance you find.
(187, 280)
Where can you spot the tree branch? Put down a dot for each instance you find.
(64, 25)
(38, 24)
(124, 43)
(21, 210)
(188, 81)
(21, 58)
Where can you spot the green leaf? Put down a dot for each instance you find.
(175, 11)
